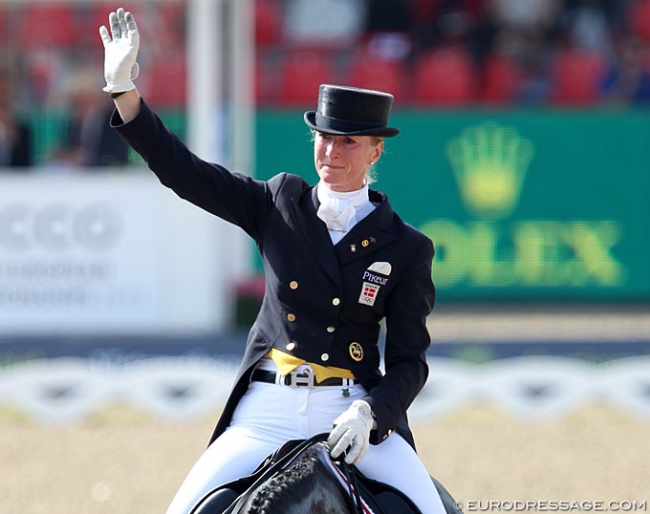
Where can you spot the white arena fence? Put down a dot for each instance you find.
(180, 389)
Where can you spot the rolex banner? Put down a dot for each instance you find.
(528, 206)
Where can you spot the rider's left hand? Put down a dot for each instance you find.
(352, 430)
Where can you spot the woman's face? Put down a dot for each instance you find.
(342, 161)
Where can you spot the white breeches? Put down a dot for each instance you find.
(269, 415)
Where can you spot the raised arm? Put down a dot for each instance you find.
(120, 65)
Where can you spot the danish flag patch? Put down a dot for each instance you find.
(368, 293)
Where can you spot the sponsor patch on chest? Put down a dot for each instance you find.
(373, 278)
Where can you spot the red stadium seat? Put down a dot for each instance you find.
(268, 19)
(638, 19)
(47, 25)
(4, 24)
(575, 76)
(371, 72)
(167, 81)
(173, 21)
(264, 82)
(425, 9)
(162, 24)
(444, 77)
(501, 80)
(301, 74)
(94, 16)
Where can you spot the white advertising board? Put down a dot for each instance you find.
(109, 253)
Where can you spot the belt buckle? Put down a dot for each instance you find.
(302, 379)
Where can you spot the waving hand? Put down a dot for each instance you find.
(120, 51)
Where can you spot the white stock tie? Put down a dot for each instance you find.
(339, 210)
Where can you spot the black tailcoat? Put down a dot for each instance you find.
(323, 303)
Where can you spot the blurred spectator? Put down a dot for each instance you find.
(523, 34)
(628, 79)
(389, 16)
(529, 26)
(15, 135)
(637, 18)
(589, 25)
(513, 45)
(89, 140)
(532, 57)
(527, 14)
(389, 29)
(323, 23)
(447, 23)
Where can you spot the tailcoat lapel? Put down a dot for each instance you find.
(316, 234)
(369, 235)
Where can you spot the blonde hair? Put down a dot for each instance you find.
(371, 174)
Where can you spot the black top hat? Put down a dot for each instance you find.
(346, 110)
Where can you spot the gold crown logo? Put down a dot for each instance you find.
(490, 162)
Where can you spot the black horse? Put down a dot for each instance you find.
(301, 478)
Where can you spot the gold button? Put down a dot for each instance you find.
(293, 284)
(384, 437)
(325, 357)
(331, 329)
(291, 346)
(291, 317)
(336, 301)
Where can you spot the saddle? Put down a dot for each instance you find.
(363, 495)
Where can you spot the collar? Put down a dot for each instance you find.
(342, 210)
(340, 200)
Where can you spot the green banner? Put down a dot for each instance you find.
(521, 206)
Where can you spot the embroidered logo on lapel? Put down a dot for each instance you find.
(373, 278)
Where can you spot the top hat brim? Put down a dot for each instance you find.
(346, 128)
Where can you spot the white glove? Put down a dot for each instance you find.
(352, 429)
(120, 52)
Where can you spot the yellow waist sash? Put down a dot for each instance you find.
(286, 363)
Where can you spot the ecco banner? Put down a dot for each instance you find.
(104, 253)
